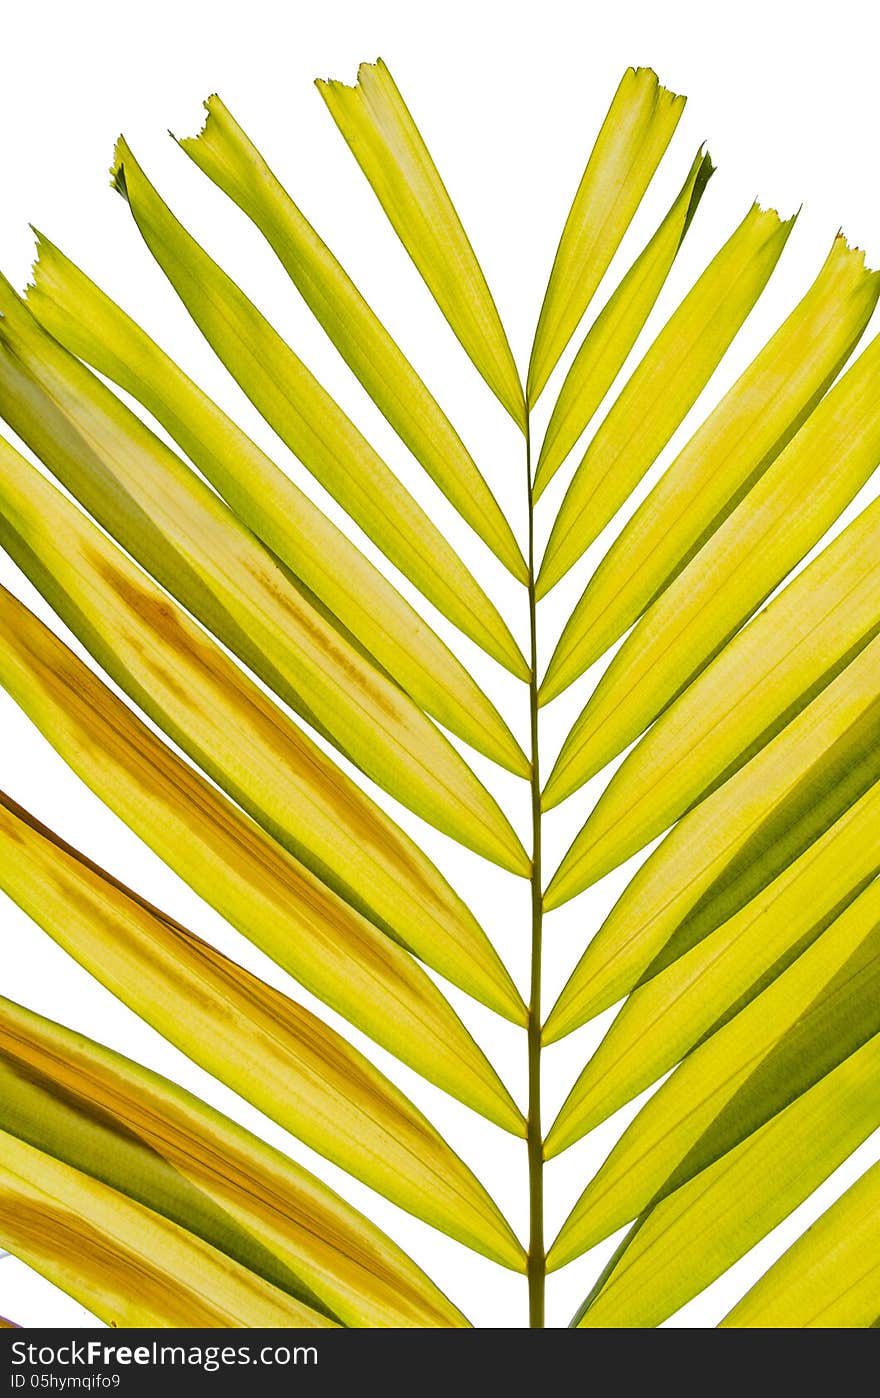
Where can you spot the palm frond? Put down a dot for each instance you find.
(783, 516)
(259, 664)
(235, 865)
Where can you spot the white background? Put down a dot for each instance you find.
(509, 97)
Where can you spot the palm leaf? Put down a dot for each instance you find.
(197, 548)
(670, 1011)
(792, 505)
(155, 965)
(760, 681)
(217, 597)
(732, 846)
(278, 1056)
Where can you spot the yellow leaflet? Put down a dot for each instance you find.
(78, 314)
(780, 520)
(616, 328)
(308, 420)
(637, 129)
(666, 1016)
(830, 1278)
(106, 1116)
(224, 152)
(735, 445)
(664, 387)
(131, 1267)
(763, 677)
(135, 949)
(694, 1235)
(729, 848)
(676, 1135)
(191, 542)
(275, 1054)
(243, 873)
(388, 146)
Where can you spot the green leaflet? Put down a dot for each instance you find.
(149, 962)
(666, 1015)
(308, 420)
(191, 542)
(226, 155)
(128, 1265)
(140, 1134)
(830, 1278)
(733, 448)
(88, 324)
(681, 1245)
(616, 328)
(663, 388)
(249, 878)
(762, 679)
(637, 129)
(781, 518)
(821, 1010)
(386, 143)
(727, 850)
